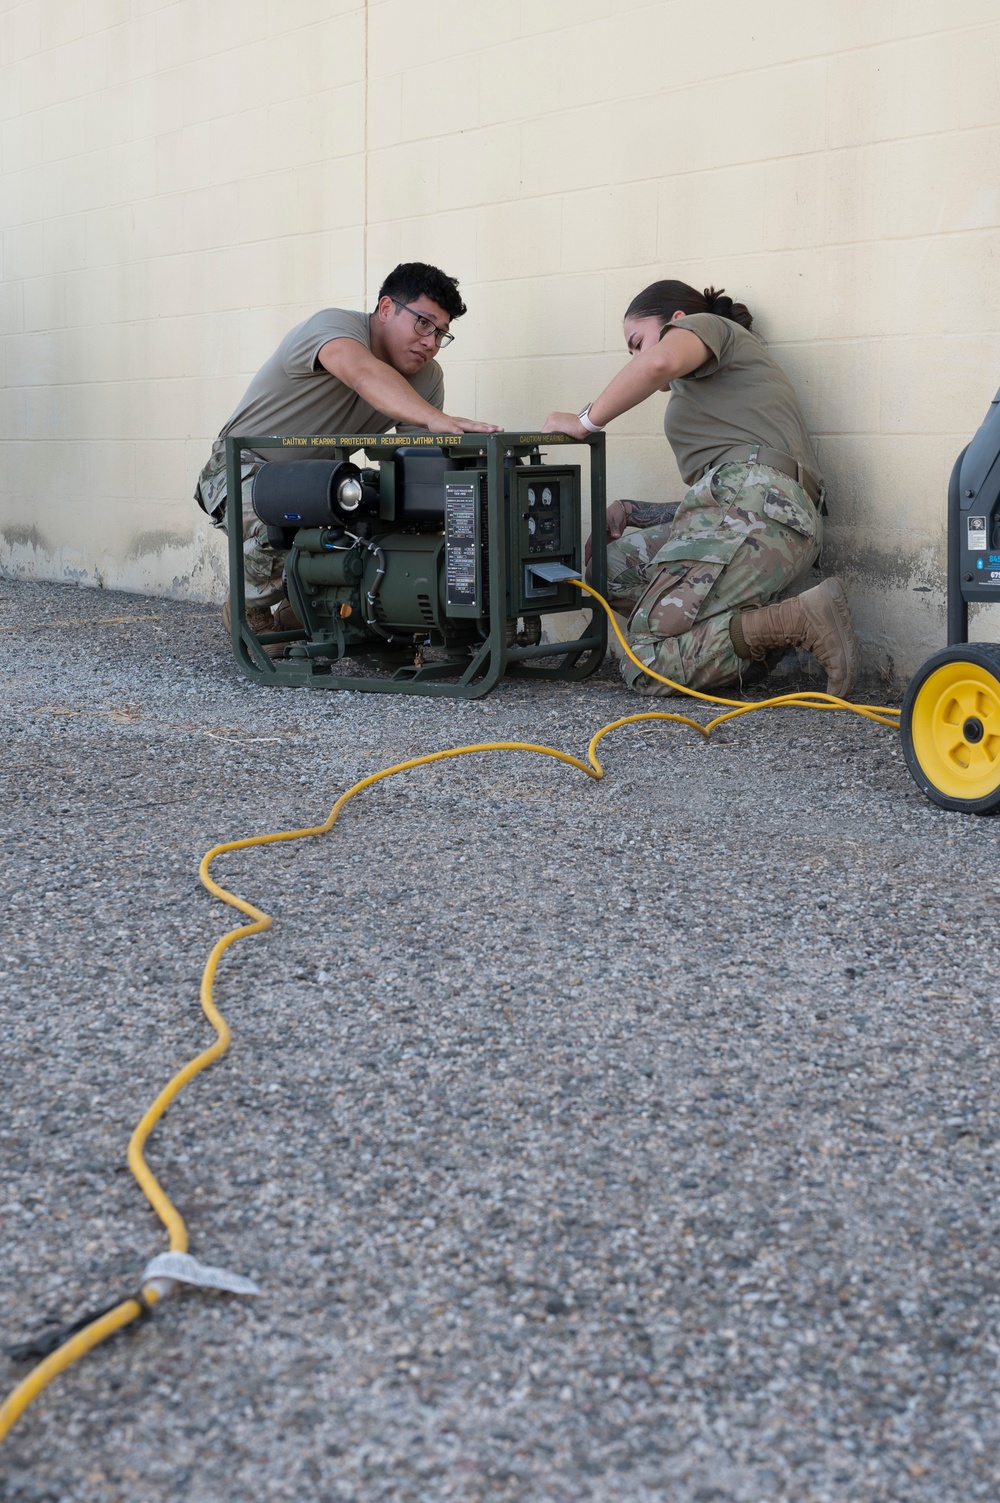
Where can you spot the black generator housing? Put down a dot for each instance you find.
(974, 525)
(950, 719)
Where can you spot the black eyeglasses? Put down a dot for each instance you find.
(424, 326)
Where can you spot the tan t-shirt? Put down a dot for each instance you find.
(293, 396)
(739, 396)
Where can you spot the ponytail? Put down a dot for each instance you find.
(663, 299)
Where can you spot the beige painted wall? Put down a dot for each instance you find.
(182, 181)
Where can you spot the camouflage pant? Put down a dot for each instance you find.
(741, 535)
(262, 565)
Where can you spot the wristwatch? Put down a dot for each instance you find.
(584, 417)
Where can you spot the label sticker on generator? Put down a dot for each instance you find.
(460, 543)
(977, 533)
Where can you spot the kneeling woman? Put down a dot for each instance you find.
(697, 587)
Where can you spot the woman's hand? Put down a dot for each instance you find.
(565, 422)
(652, 368)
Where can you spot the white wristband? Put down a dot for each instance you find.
(585, 420)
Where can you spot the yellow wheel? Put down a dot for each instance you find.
(950, 727)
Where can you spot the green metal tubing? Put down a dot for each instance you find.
(599, 531)
(552, 649)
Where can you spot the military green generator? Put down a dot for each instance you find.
(428, 574)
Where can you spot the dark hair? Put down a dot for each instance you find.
(663, 299)
(413, 279)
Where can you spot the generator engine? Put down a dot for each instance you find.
(399, 556)
(445, 554)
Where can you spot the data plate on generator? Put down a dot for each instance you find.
(979, 555)
(977, 534)
(462, 551)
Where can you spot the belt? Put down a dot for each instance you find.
(775, 460)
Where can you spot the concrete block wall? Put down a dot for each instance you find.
(182, 181)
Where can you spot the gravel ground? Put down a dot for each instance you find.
(617, 1141)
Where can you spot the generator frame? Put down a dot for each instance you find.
(496, 657)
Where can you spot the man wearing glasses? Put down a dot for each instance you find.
(340, 372)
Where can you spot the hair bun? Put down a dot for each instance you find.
(724, 307)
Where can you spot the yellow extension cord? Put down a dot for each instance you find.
(131, 1309)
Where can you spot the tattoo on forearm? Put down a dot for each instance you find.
(650, 513)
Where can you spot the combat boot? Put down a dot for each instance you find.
(284, 618)
(258, 617)
(818, 620)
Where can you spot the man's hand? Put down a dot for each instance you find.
(445, 424)
(387, 391)
(565, 422)
(617, 521)
(624, 514)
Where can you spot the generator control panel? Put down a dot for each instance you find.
(545, 512)
(541, 518)
(542, 511)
